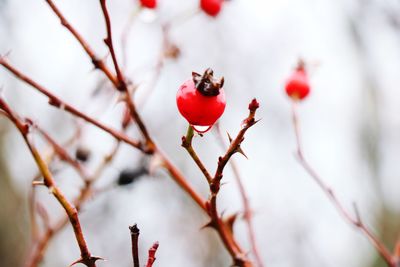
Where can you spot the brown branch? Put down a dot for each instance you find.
(357, 222)
(238, 256)
(247, 212)
(58, 103)
(40, 245)
(122, 86)
(152, 255)
(150, 145)
(98, 63)
(23, 127)
(236, 252)
(135, 247)
(168, 165)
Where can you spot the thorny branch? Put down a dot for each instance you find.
(354, 220)
(238, 256)
(24, 127)
(149, 147)
(247, 212)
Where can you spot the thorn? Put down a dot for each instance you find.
(230, 221)
(240, 151)
(87, 262)
(35, 183)
(209, 224)
(229, 137)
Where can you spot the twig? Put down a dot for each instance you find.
(247, 212)
(357, 222)
(23, 127)
(152, 254)
(237, 254)
(135, 248)
(187, 144)
(122, 86)
(58, 103)
(151, 148)
(98, 63)
(40, 245)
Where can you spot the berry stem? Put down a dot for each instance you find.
(187, 144)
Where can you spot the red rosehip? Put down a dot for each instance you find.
(211, 7)
(201, 100)
(149, 3)
(297, 86)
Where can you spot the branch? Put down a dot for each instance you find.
(357, 222)
(23, 127)
(236, 252)
(135, 248)
(40, 246)
(122, 86)
(152, 255)
(151, 147)
(187, 144)
(98, 63)
(58, 103)
(223, 229)
(248, 214)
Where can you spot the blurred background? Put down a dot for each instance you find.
(349, 127)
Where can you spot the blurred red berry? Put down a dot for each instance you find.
(149, 3)
(211, 7)
(201, 100)
(297, 86)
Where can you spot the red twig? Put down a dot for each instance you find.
(152, 255)
(356, 221)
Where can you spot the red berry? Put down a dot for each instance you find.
(211, 7)
(297, 86)
(201, 100)
(149, 3)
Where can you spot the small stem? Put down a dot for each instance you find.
(135, 247)
(187, 144)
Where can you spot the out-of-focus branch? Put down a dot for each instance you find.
(23, 127)
(247, 212)
(354, 220)
(62, 153)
